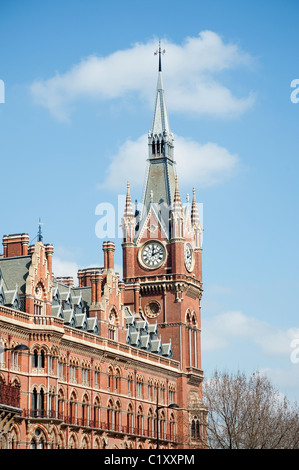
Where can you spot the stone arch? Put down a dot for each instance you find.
(73, 441)
(56, 439)
(194, 319)
(85, 442)
(14, 437)
(188, 317)
(38, 437)
(97, 442)
(113, 316)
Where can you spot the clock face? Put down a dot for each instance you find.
(188, 257)
(153, 254)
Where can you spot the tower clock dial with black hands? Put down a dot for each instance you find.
(188, 257)
(153, 254)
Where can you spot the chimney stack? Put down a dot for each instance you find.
(15, 245)
(109, 249)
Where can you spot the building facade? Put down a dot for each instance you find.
(109, 363)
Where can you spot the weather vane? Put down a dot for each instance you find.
(160, 52)
(39, 236)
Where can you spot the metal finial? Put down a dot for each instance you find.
(160, 52)
(39, 236)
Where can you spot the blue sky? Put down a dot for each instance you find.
(80, 79)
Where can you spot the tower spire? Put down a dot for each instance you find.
(160, 120)
(160, 52)
(160, 177)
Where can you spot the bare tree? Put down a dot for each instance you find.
(248, 413)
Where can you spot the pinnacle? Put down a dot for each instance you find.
(194, 211)
(128, 212)
(177, 203)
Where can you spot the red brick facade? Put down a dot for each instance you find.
(103, 355)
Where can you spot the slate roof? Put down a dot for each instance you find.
(144, 335)
(15, 272)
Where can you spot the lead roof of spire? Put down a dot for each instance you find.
(160, 120)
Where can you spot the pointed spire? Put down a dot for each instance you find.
(177, 203)
(160, 176)
(194, 212)
(128, 211)
(160, 52)
(160, 120)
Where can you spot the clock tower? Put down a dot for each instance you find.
(162, 249)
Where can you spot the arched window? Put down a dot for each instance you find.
(38, 359)
(150, 424)
(110, 409)
(38, 441)
(73, 409)
(85, 411)
(162, 422)
(117, 424)
(130, 384)
(150, 390)
(42, 407)
(96, 412)
(42, 359)
(130, 419)
(195, 428)
(35, 358)
(110, 378)
(140, 421)
(117, 380)
(38, 403)
(60, 404)
(97, 377)
(139, 386)
(172, 427)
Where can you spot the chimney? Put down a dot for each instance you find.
(15, 245)
(109, 249)
(67, 281)
(49, 254)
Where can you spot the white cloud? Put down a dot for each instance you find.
(63, 268)
(286, 380)
(197, 164)
(221, 330)
(191, 72)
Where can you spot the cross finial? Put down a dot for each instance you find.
(160, 52)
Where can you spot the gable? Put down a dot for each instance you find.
(154, 226)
